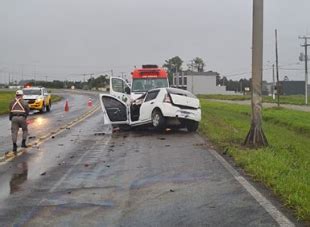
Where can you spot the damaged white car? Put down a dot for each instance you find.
(161, 107)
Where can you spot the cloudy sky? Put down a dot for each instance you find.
(64, 39)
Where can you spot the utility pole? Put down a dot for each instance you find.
(256, 136)
(306, 66)
(277, 67)
(273, 83)
(177, 76)
(123, 75)
(22, 72)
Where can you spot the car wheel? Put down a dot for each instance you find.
(158, 120)
(48, 108)
(43, 108)
(192, 126)
(124, 127)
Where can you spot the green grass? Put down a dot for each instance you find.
(5, 99)
(290, 99)
(7, 96)
(226, 97)
(283, 166)
(56, 98)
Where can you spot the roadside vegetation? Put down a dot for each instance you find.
(227, 97)
(5, 99)
(7, 96)
(290, 99)
(283, 166)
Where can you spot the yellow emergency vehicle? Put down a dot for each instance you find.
(38, 98)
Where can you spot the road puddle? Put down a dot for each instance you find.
(18, 177)
(12, 181)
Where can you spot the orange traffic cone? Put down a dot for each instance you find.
(90, 102)
(66, 106)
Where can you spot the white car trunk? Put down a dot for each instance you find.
(185, 101)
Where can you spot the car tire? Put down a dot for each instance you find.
(158, 120)
(192, 126)
(43, 108)
(125, 128)
(48, 108)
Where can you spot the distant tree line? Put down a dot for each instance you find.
(233, 85)
(91, 84)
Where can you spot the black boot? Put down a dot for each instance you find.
(15, 148)
(24, 144)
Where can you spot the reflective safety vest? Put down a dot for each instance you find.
(18, 107)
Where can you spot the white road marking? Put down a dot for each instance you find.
(277, 215)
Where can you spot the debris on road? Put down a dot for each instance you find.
(43, 174)
(116, 129)
(99, 133)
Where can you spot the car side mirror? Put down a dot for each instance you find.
(127, 90)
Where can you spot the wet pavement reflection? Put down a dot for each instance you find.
(18, 177)
(39, 124)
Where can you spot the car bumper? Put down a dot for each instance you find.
(36, 106)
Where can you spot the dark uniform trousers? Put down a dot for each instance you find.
(18, 122)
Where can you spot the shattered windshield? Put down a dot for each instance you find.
(143, 85)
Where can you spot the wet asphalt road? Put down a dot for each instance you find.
(84, 177)
(41, 124)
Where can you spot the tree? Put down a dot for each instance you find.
(197, 64)
(218, 80)
(101, 81)
(173, 65)
(224, 81)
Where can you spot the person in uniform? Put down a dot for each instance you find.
(19, 111)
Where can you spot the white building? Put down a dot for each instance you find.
(199, 83)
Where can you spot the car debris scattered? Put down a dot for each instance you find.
(99, 133)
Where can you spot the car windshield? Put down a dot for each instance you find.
(32, 92)
(143, 85)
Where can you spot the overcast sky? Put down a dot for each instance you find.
(63, 39)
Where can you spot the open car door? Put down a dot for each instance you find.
(115, 111)
(118, 87)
